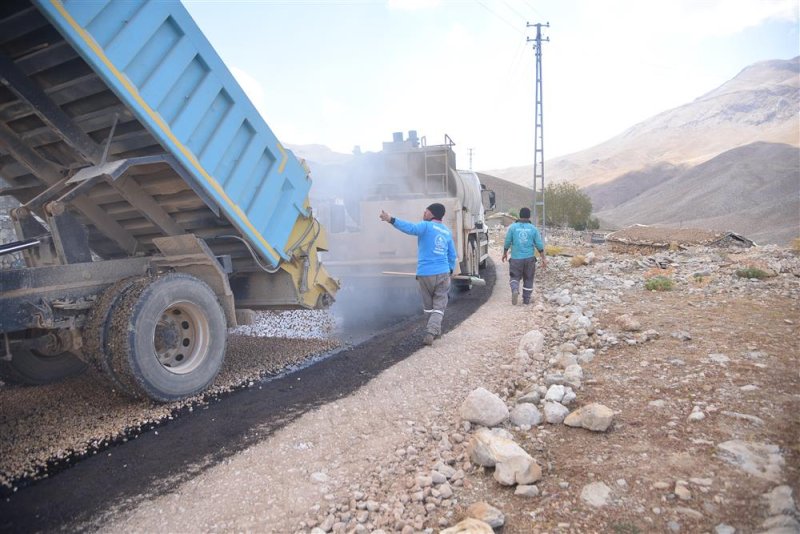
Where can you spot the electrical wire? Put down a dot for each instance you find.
(510, 25)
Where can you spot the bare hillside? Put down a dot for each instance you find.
(509, 196)
(762, 103)
(753, 190)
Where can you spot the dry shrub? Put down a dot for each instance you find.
(578, 260)
(796, 245)
(552, 250)
(701, 280)
(657, 271)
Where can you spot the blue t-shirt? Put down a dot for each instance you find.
(436, 252)
(521, 238)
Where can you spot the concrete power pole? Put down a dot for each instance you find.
(470, 158)
(538, 134)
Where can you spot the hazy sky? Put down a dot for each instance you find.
(350, 72)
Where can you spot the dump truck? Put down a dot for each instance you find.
(405, 177)
(156, 207)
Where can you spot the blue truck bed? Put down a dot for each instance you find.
(93, 83)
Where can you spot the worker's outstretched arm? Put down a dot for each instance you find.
(404, 226)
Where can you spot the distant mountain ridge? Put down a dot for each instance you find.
(734, 148)
(762, 103)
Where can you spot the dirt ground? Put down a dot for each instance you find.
(715, 344)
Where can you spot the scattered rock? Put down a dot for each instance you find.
(688, 512)
(682, 335)
(595, 417)
(488, 448)
(526, 415)
(628, 324)
(531, 345)
(555, 393)
(484, 408)
(517, 470)
(719, 358)
(595, 494)
(483, 511)
(780, 501)
(681, 491)
(759, 459)
(554, 413)
(467, 526)
(527, 490)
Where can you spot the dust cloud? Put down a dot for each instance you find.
(347, 198)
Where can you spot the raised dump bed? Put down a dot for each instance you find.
(149, 184)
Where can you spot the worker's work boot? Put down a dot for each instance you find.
(428, 339)
(514, 298)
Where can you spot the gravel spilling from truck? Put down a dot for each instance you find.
(295, 324)
(45, 428)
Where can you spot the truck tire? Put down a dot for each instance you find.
(166, 338)
(97, 329)
(28, 367)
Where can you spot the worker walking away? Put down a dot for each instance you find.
(522, 238)
(436, 261)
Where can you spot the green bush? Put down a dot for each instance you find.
(568, 206)
(658, 283)
(751, 272)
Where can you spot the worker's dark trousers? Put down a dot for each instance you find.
(433, 290)
(524, 269)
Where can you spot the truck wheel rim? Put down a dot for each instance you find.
(181, 337)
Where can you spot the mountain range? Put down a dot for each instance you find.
(729, 160)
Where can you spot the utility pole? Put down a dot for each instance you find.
(538, 134)
(470, 158)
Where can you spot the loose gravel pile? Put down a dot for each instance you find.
(42, 428)
(293, 324)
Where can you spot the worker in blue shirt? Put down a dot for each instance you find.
(522, 238)
(436, 261)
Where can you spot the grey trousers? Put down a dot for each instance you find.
(433, 290)
(524, 269)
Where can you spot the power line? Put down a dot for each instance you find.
(520, 15)
(511, 25)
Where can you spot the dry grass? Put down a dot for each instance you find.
(657, 271)
(578, 261)
(552, 250)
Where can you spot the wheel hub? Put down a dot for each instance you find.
(181, 337)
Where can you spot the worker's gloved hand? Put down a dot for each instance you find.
(385, 216)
